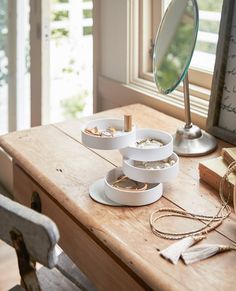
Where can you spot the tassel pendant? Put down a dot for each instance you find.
(203, 252)
(174, 251)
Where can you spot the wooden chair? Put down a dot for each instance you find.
(34, 237)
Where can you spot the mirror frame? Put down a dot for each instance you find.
(188, 60)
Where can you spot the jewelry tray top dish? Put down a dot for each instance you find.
(107, 134)
(148, 160)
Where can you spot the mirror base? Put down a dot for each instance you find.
(192, 141)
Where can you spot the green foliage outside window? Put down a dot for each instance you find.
(60, 1)
(209, 26)
(169, 68)
(74, 105)
(210, 5)
(87, 30)
(59, 33)
(60, 15)
(87, 13)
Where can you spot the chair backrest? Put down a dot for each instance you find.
(40, 234)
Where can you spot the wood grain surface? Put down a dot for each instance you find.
(57, 161)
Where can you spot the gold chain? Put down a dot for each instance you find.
(211, 222)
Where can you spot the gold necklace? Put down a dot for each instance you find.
(211, 222)
(131, 185)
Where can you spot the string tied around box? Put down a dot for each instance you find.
(210, 222)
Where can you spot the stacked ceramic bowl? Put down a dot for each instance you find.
(148, 160)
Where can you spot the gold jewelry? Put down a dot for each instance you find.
(93, 131)
(109, 132)
(149, 142)
(135, 186)
(221, 215)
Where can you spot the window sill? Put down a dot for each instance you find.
(113, 94)
(199, 96)
(195, 90)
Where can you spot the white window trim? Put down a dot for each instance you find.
(149, 19)
(16, 59)
(96, 53)
(39, 64)
(13, 70)
(39, 55)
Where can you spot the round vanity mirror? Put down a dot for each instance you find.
(173, 50)
(175, 44)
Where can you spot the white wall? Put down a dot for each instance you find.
(113, 39)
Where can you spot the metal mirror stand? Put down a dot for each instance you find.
(190, 140)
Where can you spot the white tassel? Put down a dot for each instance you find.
(202, 252)
(174, 251)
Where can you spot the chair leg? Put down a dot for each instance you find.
(26, 266)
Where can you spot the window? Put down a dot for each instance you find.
(71, 51)
(3, 67)
(14, 65)
(46, 49)
(145, 20)
(203, 61)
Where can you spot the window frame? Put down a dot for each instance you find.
(142, 33)
(118, 83)
(39, 18)
(153, 10)
(40, 61)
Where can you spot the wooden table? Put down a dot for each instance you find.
(114, 246)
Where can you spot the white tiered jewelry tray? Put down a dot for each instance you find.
(135, 159)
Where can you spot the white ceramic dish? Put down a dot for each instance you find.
(97, 193)
(149, 154)
(130, 198)
(151, 175)
(107, 143)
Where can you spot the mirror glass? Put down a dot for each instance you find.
(175, 43)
